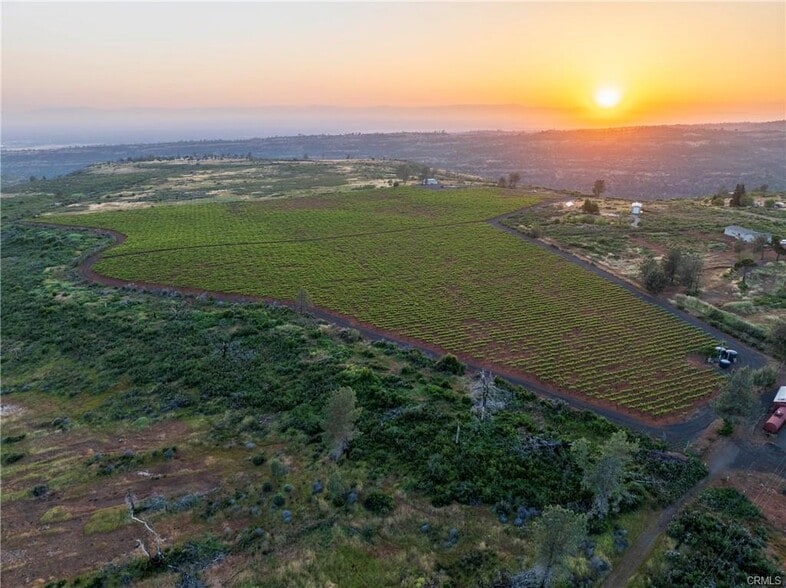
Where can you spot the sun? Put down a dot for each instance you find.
(607, 96)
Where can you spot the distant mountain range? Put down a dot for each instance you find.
(636, 162)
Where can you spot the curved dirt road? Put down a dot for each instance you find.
(720, 461)
(676, 434)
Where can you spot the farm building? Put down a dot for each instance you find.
(635, 208)
(780, 397)
(430, 182)
(743, 234)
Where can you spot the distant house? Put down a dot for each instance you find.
(430, 182)
(743, 234)
(635, 208)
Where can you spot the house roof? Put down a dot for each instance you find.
(744, 231)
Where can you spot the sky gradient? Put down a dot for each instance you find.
(506, 65)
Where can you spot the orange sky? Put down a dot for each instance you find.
(672, 62)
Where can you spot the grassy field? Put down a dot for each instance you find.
(424, 264)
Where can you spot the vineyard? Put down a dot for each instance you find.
(425, 264)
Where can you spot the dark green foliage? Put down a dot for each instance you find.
(765, 377)
(590, 207)
(652, 275)
(474, 568)
(736, 400)
(719, 542)
(451, 365)
(778, 339)
(668, 475)
(408, 170)
(730, 503)
(39, 490)
(10, 458)
(245, 366)
(739, 197)
(671, 263)
(378, 503)
(14, 438)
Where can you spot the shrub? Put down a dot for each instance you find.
(378, 503)
(765, 377)
(590, 207)
(14, 438)
(39, 490)
(10, 458)
(450, 364)
(277, 469)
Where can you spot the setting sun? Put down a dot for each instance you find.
(607, 97)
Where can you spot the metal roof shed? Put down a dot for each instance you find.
(780, 397)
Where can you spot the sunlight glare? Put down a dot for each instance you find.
(607, 97)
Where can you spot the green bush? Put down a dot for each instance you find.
(450, 364)
(378, 503)
(10, 458)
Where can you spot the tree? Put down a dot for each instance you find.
(339, 421)
(513, 179)
(302, 301)
(744, 265)
(759, 244)
(738, 195)
(763, 188)
(736, 399)
(652, 275)
(402, 172)
(598, 188)
(604, 476)
(739, 246)
(690, 272)
(502, 182)
(590, 207)
(156, 557)
(777, 247)
(487, 397)
(671, 264)
(557, 535)
(778, 339)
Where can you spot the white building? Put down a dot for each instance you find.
(636, 207)
(743, 234)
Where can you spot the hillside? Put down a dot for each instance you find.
(636, 162)
(156, 437)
